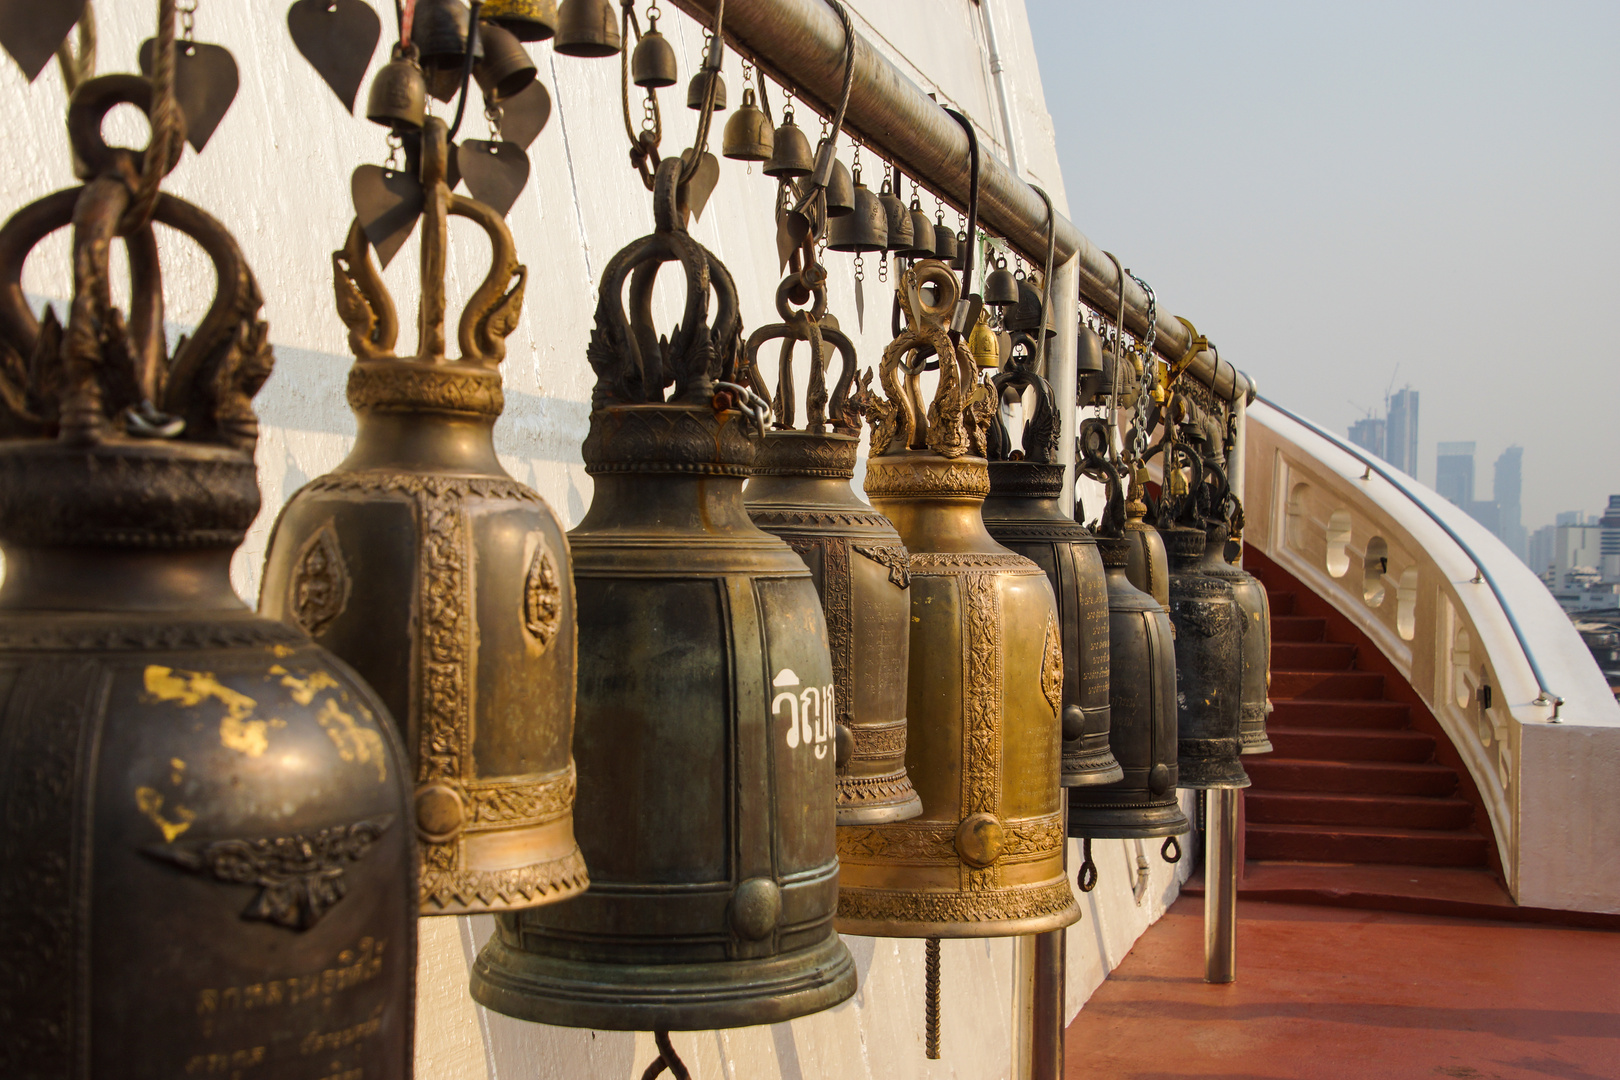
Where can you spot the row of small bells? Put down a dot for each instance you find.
(719, 694)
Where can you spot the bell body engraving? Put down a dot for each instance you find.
(1256, 607)
(800, 492)
(1209, 667)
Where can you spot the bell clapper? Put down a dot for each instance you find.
(1087, 878)
(931, 998)
(1170, 850)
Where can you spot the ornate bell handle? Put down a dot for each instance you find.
(1095, 463)
(1040, 442)
(363, 301)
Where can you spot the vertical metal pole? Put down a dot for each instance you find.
(1026, 990)
(1046, 1051)
(1220, 886)
(1060, 366)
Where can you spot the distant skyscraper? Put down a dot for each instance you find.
(1610, 523)
(1506, 489)
(1369, 435)
(1454, 472)
(1401, 431)
(1539, 557)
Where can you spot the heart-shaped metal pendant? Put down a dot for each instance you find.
(524, 114)
(205, 84)
(792, 228)
(32, 30)
(495, 172)
(337, 37)
(387, 203)
(694, 194)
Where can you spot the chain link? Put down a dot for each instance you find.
(187, 10)
(395, 144)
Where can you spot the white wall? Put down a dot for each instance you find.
(277, 174)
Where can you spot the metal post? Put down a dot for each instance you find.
(1220, 885)
(1046, 1031)
(1026, 990)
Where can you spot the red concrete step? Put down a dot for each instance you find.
(1282, 603)
(1350, 744)
(1271, 773)
(1379, 844)
(1312, 656)
(1400, 811)
(1305, 712)
(1296, 628)
(1327, 685)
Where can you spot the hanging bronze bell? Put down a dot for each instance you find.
(946, 246)
(984, 736)
(652, 61)
(866, 228)
(840, 191)
(587, 29)
(1029, 314)
(1209, 667)
(439, 33)
(442, 580)
(1090, 374)
(698, 86)
(897, 220)
(398, 95)
(748, 135)
(791, 157)
(506, 68)
(528, 20)
(922, 233)
(1000, 286)
(206, 830)
(1024, 515)
(1256, 608)
(800, 492)
(1147, 566)
(706, 740)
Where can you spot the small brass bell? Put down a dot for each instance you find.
(865, 228)
(587, 28)
(527, 20)
(840, 191)
(439, 33)
(897, 218)
(945, 245)
(1000, 287)
(922, 233)
(790, 154)
(652, 62)
(699, 84)
(506, 68)
(398, 95)
(982, 344)
(1090, 379)
(748, 135)
(1029, 314)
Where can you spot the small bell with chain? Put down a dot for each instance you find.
(506, 68)
(697, 90)
(440, 33)
(1000, 287)
(897, 220)
(652, 62)
(923, 243)
(398, 95)
(588, 29)
(527, 20)
(791, 157)
(865, 228)
(748, 135)
(946, 249)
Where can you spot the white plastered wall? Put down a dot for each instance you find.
(277, 174)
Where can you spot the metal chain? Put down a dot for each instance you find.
(188, 21)
(931, 1000)
(395, 144)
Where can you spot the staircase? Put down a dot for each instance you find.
(1349, 780)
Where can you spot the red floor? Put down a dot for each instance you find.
(1330, 993)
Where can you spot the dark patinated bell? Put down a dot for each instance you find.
(440, 32)
(801, 492)
(985, 858)
(946, 245)
(1029, 315)
(652, 61)
(840, 190)
(1024, 514)
(1209, 667)
(1256, 608)
(506, 68)
(398, 95)
(1090, 380)
(528, 20)
(865, 228)
(1147, 566)
(442, 580)
(698, 86)
(748, 135)
(588, 29)
(707, 714)
(897, 221)
(1000, 286)
(791, 157)
(922, 233)
(206, 838)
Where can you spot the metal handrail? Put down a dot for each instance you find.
(1481, 572)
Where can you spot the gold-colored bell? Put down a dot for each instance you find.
(506, 68)
(528, 20)
(1148, 566)
(698, 86)
(439, 32)
(865, 228)
(398, 95)
(748, 135)
(652, 61)
(588, 29)
(922, 233)
(986, 856)
(983, 345)
(791, 157)
(946, 247)
(443, 581)
(1000, 287)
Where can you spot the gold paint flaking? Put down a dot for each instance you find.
(304, 690)
(353, 742)
(150, 802)
(191, 688)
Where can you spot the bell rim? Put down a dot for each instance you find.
(870, 813)
(1056, 917)
(1127, 823)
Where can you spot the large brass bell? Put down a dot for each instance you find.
(923, 243)
(507, 68)
(748, 135)
(1000, 286)
(1023, 513)
(896, 218)
(791, 157)
(652, 61)
(207, 830)
(707, 716)
(445, 582)
(528, 20)
(439, 32)
(1209, 667)
(985, 858)
(398, 95)
(1256, 608)
(865, 228)
(588, 29)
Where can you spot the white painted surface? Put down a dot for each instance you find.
(276, 173)
(1547, 787)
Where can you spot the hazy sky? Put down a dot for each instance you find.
(1342, 193)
